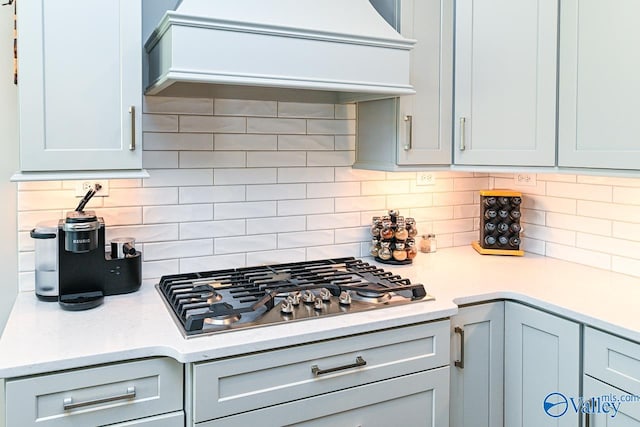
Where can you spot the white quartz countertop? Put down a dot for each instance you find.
(40, 337)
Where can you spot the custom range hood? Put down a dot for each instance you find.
(307, 50)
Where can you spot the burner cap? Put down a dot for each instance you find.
(371, 296)
(222, 320)
(207, 292)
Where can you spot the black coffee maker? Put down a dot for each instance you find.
(87, 272)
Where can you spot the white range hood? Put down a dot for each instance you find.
(313, 50)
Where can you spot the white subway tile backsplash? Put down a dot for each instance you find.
(298, 109)
(305, 207)
(211, 229)
(243, 182)
(331, 221)
(276, 257)
(215, 262)
(160, 123)
(241, 107)
(275, 225)
(213, 194)
(276, 126)
(178, 177)
(345, 111)
(26, 261)
(212, 159)
(213, 124)
(171, 105)
(245, 142)
(305, 239)
(244, 210)
(177, 213)
(261, 242)
(257, 159)
(331, 127)
(179, 249)
(306, 142)
(141, 196)
(330, 189)
(275, 192)
(305, 175)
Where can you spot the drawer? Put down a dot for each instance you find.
(96, 396)
(173, 419)
(246, 383)
(613, 360)
(420, 399)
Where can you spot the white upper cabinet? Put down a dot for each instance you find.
(415, 129)
(505, 82)
(80, 85)
(599, 88)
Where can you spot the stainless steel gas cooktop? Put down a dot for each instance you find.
(223, 300)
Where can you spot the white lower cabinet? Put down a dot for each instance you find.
(611, 381)
(141, 393)
(398, 375)
(542, 356)
(477, 365)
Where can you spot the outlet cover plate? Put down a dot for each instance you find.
(525, 179)
(425, 178)
(83, 186)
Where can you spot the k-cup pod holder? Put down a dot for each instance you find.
(499, 223)
(393, 238)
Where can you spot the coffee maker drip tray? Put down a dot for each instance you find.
(81, 301)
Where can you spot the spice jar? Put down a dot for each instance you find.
(401, 231)
(410, 223)
(386, 232)
(412, 251)
(384, 253)
(376, 225)
(428, 243)
(375, 247)
(399, 253)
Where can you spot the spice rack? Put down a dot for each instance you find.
(393, 239)
(499, 223)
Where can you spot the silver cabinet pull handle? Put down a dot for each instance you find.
(462, 133)
(409, 145)
(69, 405)
(460, 363)
(317, 371)
(132, 113)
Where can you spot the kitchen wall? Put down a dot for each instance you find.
(248, 182)
(238, 182)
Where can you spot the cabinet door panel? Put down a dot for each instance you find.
(80, 72)
(477, 388)
(542, 356)
(599, 86)
(628, 413)
(505, 82)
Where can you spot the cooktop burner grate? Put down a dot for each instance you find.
(213, 301)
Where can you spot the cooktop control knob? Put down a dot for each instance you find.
(325, 294)
(345, 298)
(294, 297)
(287, 306)
(308, 297)
(318, 304)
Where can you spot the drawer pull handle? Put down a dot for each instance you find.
(69, 405)
(462, 134)
(409, 145)
(317, 371)
(460, 363)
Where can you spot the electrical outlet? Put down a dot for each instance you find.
(83, 186)
(525, 179)
(425, 178)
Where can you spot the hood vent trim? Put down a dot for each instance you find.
(226, 53)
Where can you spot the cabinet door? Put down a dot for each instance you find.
(599, 93)
(505, 82)
(414, 130)
(542, 356)
(80, 74)
(625, 414)
(477, 345)
(425, 118)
